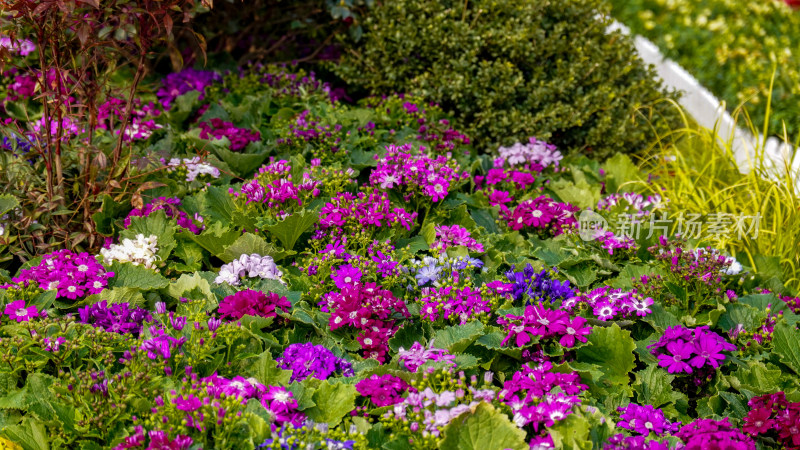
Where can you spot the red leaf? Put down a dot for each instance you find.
(168, 24)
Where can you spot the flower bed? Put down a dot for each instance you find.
(295, 271)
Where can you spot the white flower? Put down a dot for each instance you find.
(140, 251)
(251, 266)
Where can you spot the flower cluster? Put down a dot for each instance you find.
(630, 202)
(537, 286)
(314, 436)
(543, 323)
(454, 236)
(610, 241)
(645, 420)
(119, 318)
(707, 265)
(542, 214)
(239, 138)
(535, 153)
(622, 442)
(274, 187)
(539, 397)
(383, 390)
(365, 307)
(178, 83)
(773, 416)
(139, 251)
(435, 400)
(170, 207)
(307, 129)
(708, 433)
(309, 360)
(348, 213)
(416, 173)
(154, 439)
(17, 310)
(22, 47)
(252, 303)
(453, 304)
(418, 355)
(684, 350)
(608, 303)
(72, 274)
(290, 84)
(191, 168)
(248, 266)
(437, 270)
(111, 113)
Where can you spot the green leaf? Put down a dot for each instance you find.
(582, 194)
(619, 169)
(653, 387)
(194, 287)
(109, 212)
(332, 402)
(242, 164)
(482, 428)
(30, 434)
(786, 344)
(291, 228)
(7, 203)
(215, 238)
(247, 244)
(131, 276)
(610, 348)
(571, 433)
(266, 371)
(457, 338)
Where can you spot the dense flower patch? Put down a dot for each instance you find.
(304, 273)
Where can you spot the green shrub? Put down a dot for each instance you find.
(510, 69)
(732, 47)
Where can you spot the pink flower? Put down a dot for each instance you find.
(346, 275)
(16, 310)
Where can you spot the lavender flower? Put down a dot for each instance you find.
(249, 266)
(309, 360)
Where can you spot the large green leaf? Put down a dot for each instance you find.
(247, 244)
(653, 387)
(332, 402)
(156, 224)
(610, 348)
(30, 434)
(109, 212)
(291, 228)
(482, 428)
(194, 287)
(131, 276)
(457, 338)
(7, 203)
(266, 370)
(786, 344)
(215, 238)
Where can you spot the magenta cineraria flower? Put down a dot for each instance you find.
(346, 275)
(17, 310)
(416, 172)
(538, 321)
(607, 303)
(645, 419)
(253, 303)
(418, 355)
(532, 396)
(455, 235)
(681, 349)
(73, 275)
(178, 83)
(239, 137)
(119, 318)
(709, 433)
(383, 390)
(543, 214)
(188, 404)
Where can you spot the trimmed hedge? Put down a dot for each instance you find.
(509, 69)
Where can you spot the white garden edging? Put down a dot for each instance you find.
(709, 111)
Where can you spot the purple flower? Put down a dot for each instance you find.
(16, 310)
(675, 360)
(188, 404)
(309, 360)
(116, 318)
(346, 275)
(418, 355)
